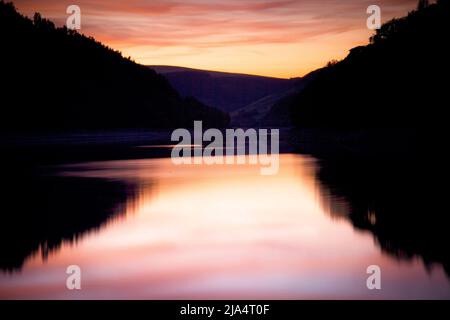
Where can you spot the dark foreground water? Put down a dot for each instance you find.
(149, 229)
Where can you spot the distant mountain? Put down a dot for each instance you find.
(399, 80)
(226, 91)
(252, 114)
(272, 110)
(55, 79)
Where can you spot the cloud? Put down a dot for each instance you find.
(203, 24)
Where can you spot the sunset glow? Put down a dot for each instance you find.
(256, 243)
(285, 38)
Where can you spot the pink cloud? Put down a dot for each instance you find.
(198, 24)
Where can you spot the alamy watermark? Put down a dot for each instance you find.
(73, 281)
(262, 146)
(73, 21)
(374, 20)
(374, 280)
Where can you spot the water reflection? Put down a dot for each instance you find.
(396, 199)
(219, 231)
(40, 213)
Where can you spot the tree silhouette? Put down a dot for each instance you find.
(422, 4)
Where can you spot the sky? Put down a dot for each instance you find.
(278, 38)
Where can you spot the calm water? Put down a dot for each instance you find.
(199, 231)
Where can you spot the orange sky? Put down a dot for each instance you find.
(281, 38)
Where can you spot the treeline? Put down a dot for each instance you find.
(56, 79)
(398, 80)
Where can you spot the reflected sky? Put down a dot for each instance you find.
(222, 232)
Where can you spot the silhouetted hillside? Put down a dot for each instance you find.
(398, 80)
(55, 79)
(279, 114)
(225, 91)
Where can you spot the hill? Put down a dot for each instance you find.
(272, 110)
(55, 79)
(397, 80)
(225, 91)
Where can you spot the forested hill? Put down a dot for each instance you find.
(400, 79)
(55, 79)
